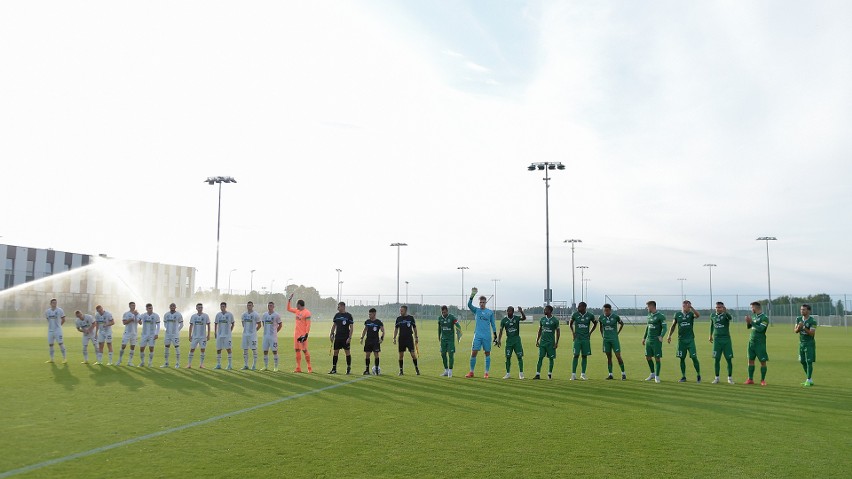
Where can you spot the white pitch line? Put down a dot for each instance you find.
(78, 455)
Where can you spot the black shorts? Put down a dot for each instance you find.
(340, 343)
(407, 343)
(372, 347)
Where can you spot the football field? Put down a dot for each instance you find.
(80, 420)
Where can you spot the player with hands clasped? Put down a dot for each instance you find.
(105, 323)
(720, 336)
(55, 319)
(173, 322)
(511, 324)
(199, 334)
(130, 320)
(86, 324)
(653, 340)
(611, 325)
(341, 335)
(547, 341)
(448, 326)
(582, 324)
(223, 334)
(406, 330)
(484, 334)
(757, 342)
(684, 322)
(251, 325)
(150, 322)
(806, 329)
(374, 330)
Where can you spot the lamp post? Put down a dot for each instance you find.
(573, 290)
(547, 166)
(462, 268)
(398, 247)
(251, 282)
(406, 292)
(586, 284)
(272, 285)
(339, 290)
(682, 297)
(710, 267)
(582, 269)
(229, 279)
(495, 294)
(211, 180)
(767, 239)
(338, 283)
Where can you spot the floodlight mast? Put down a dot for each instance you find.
(211, 180)
(547, 166)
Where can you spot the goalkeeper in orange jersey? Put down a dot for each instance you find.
(300, 333)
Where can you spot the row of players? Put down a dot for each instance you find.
(97, 331)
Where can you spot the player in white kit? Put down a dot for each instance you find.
(86, 324)
(150, 333)
(251, 324)
(105, 322)
(173, 322)
(222, 332)
(199, 334)
(271, 326)
(55, 319)
(130, 320)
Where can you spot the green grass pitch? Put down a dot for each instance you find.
(425, 426)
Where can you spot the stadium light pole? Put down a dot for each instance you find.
(229, 280)
(710, 267)
(406, 292)
(462, 268)
(573, 290)
(547, 166)
(251, 281)
(338, 283)
(339, 290)
(586, 284)
(495, 293)
(212, 180)
(682, 297)
(767, 239)
(398, 247)
(272, 285)
(582, 269)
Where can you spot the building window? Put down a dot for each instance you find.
(9, 276)
(30, 270)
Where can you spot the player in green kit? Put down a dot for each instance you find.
(547, 340)
(757, 343)
(806, 329)
(582, 326)
(653, 340)
(447, 326)
(684, 321)
(611, 325)
(513, 339)
(720, 336)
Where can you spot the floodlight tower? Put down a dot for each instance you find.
(547, 166)
(212, 180)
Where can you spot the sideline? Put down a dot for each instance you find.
(78, 455)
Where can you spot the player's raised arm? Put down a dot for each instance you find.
(470, 305)
(521, 312)
(289, 307)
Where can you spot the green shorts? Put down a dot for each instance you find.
(611, 345)
(448, 346)
(757, 349)
(723, 346)
(582, 346)
(514, 346)
(546, 350)
(686, 346)
(807, 352)
(653, 349)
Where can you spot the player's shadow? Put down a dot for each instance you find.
(62, 375)
(111, 375)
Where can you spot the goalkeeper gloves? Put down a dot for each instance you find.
(302, 338)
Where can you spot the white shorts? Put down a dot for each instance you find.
(249, 342)
(195, 342)
(90, 339)
(172, 340)
(223, 342)
(128, 339)
(104, 336)
(270, 343)
(54, 336)
(147, 341)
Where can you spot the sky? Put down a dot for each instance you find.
(688, 129)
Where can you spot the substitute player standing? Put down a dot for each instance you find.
(720, 336)
(512, 325)
(582, 324)
(684, 322)
(806, 329)
(55, 319)
(150, 332)
(86, 324)
(653, 340)
(251, 325)
(481, 339)
(547, 341)
(271, 325)
(173, 322)
(199, 334)
(222, 332)
(406, 329)
(105, 323)
(448, 325)
(372, 329)
(757, 342)
(611, 325)
(341, 335)
(301, 330)
(130, 320)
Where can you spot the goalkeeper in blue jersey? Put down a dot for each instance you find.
(481, 337)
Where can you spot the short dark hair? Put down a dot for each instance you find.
(650, 303)
(341, 303)
(271, 302)
(754, 303)
(607, 306)
(404, 307)
(251, 303)
(483, 298)
(300, 302)
(548, 308)
(52, 300)
(149, 305)
(444, 307)
(582, 303)
(372, 310)
(199, 304)
(223, 303)
(132, 302)
(807, 306)
(77, 312)
(719, 303)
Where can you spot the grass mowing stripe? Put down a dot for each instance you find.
(152, 435)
